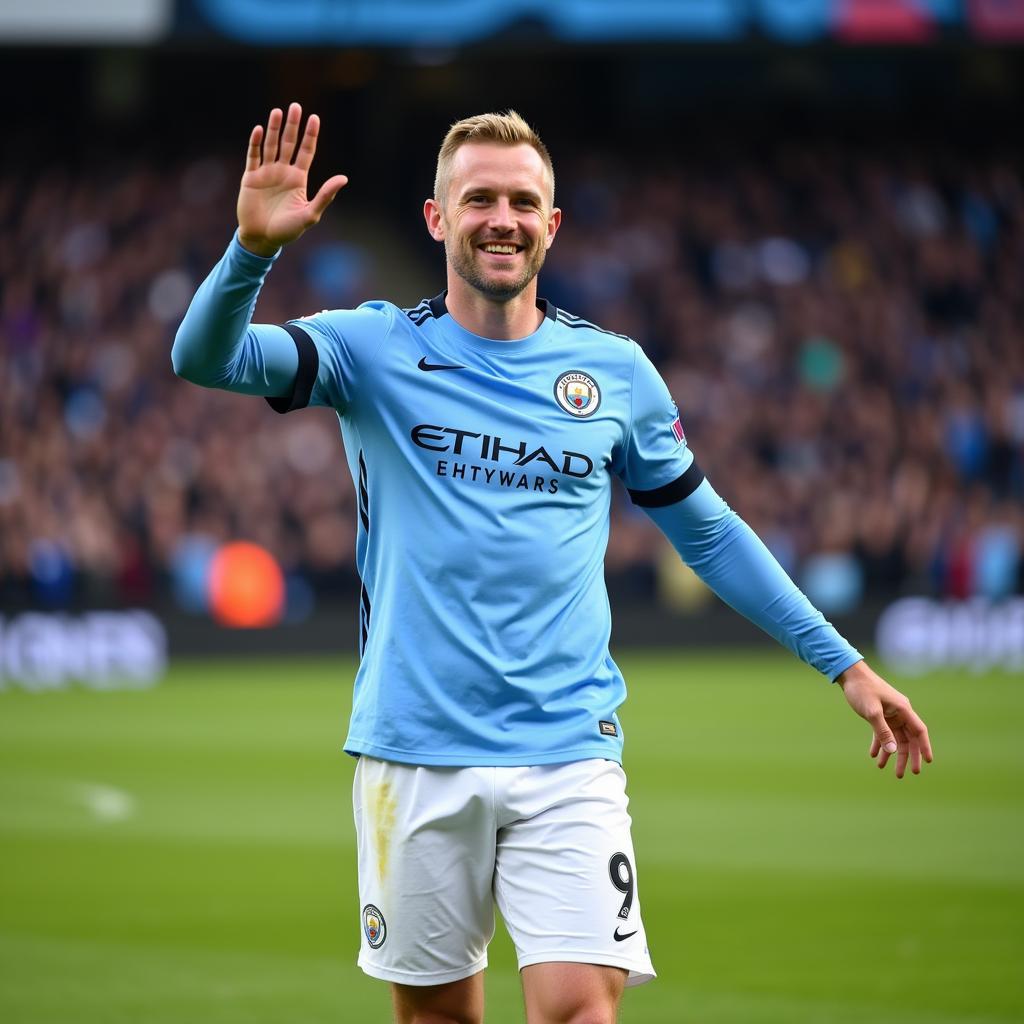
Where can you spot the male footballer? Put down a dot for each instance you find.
(482, 429)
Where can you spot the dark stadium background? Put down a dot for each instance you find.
(810, 215)
(818, 241)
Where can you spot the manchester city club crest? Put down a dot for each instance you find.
(577, 393)
(374, 926)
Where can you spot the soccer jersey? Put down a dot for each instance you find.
(483, 472)
(484, 483)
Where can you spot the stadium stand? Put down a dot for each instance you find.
(841, 328)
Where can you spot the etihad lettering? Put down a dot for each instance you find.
(492, 448)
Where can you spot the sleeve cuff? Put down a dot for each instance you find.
(240, 252)
(840, 666)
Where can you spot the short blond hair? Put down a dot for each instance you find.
(508, 129)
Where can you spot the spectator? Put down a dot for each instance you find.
(832, 323)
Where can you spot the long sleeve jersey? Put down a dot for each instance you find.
(483, 471)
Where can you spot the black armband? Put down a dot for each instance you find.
(305, 375)
(680, 488)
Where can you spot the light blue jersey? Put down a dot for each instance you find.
(484, 472)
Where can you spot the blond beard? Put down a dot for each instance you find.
(462, 259)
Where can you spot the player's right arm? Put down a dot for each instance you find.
(216, 345)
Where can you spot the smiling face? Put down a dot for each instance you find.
(497, 221)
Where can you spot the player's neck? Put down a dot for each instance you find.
(490, 318)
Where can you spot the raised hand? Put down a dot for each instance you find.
(897, 728)
(273, 208)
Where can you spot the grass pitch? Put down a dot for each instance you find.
(187, 853)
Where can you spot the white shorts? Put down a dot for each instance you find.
(549, 843)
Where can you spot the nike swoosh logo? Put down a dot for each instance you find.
(424, 365)
(618, 938)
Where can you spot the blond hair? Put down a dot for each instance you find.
(508, 129)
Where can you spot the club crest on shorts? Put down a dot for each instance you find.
(577, 393)
(374, 926)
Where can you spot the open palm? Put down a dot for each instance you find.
(273, 208)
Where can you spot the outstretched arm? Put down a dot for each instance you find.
(215, 345)
(719, 546)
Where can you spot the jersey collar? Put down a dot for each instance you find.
(439, 308)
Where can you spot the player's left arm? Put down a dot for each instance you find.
(663, 478)
(733, 561)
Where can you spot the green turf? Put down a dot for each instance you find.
(784, 879)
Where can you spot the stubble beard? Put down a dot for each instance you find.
(461, 255)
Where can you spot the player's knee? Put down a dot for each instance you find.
(568, 993)
(566, 1008)
(587, 1014)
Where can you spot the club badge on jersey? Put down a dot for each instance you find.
(577, 393)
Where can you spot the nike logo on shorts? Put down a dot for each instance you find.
(424, 365)
(619, 938)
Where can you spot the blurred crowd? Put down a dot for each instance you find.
(843, 331)
(841, 327)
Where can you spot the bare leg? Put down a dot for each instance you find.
(564, 993)
(457, 1002)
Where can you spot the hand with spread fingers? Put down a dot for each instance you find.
(273, 207)
(897, 728)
